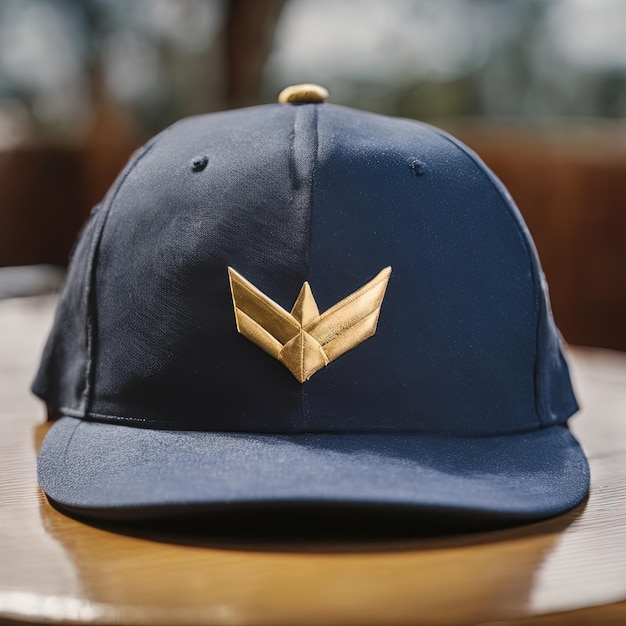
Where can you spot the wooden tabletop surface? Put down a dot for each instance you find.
(568, 570)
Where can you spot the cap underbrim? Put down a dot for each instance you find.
(117, 472)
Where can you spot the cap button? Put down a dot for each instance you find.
(307, 93)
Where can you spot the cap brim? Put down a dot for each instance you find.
(118, 472)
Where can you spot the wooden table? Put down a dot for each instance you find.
(568, 570)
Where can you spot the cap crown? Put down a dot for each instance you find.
(146, 334)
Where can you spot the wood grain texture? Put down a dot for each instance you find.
(56, 569)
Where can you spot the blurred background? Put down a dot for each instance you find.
(537, 87)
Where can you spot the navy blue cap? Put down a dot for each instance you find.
(304, 303)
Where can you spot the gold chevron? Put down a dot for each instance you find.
(303, 340)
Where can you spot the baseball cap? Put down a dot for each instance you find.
(305, 304)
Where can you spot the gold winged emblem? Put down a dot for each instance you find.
(303, 340)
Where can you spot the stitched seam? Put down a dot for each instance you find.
(65, 410)
(74, 413)
(292, 160)
(315, 153)
(69, 440)
(90, 291)
(315, 127)
(303, 405)
(113, 418)
(525, 243)
(294, 185)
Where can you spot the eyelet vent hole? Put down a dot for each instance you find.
(418, 167)
(199, 163)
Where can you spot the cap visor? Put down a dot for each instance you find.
(117, 472)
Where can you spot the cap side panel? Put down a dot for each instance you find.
(61, 378)
(92, 311)
(554, 396)
(64, 376)
(556, 400)
(519, 225)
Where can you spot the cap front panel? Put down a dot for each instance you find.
(456, 340)
(168, 352)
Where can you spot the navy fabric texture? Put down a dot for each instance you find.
(145, 346)
(126, 472)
